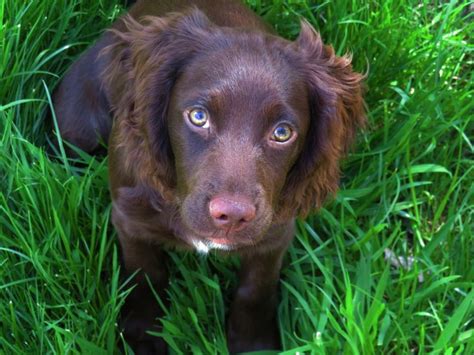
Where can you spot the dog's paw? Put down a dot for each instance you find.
(135, 328)
(244, 339)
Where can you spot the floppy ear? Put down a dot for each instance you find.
(145, 61)
(336, 110)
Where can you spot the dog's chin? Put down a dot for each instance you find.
(220, 240)
(204, 246)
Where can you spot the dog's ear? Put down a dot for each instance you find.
(336, 110)
(145, 61)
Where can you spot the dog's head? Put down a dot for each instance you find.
(240, 128)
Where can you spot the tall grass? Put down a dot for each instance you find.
(407, 192)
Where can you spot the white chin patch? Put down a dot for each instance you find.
(205, 247)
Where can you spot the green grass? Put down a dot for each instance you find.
(407, 187)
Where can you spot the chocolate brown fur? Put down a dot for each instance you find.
(131, 89)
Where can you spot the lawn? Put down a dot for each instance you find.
(385, 267)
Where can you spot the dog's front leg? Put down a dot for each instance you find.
(141, 309)
(252, 323)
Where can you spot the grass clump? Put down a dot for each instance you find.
(407, 192)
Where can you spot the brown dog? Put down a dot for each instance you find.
(221, 133)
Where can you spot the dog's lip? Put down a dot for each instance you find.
(223, 241)
(215, 236)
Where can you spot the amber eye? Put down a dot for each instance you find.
(198, 117)
(282, 133)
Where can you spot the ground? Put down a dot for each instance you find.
(386, 267)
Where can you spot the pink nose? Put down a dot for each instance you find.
(231, 211)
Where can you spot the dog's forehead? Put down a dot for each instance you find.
(243, 63)
(243, 74)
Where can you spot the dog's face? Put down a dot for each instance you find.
(242, 129)
(237, 121)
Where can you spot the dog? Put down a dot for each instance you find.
(220, 133)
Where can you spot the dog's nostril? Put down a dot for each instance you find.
(231, 211)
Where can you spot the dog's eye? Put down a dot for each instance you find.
(198, 117)
(282, 133)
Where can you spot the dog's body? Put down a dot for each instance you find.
(220, 133)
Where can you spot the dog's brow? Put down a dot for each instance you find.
(272, 108)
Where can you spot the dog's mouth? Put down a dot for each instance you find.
(219, 240)
(208, 244)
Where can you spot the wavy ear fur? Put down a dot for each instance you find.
(145, 61)
(336, 110)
